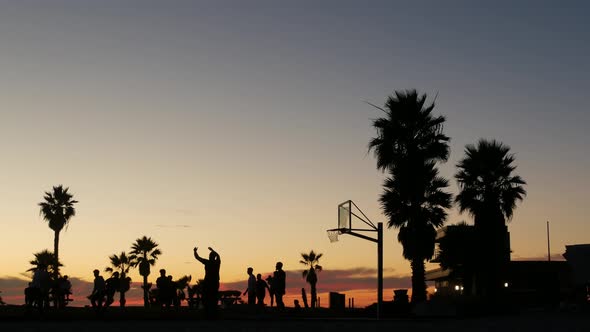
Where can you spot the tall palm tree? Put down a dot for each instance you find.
(121, 263)
(44, 258)
(311, 260)
(409, 143)
(417, 219)
(489, 192)
(144, 254)
(408, 132)
(57, 209)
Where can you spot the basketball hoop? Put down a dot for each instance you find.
(347, 212)
(333, 234)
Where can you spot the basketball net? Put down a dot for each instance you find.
(333, 235)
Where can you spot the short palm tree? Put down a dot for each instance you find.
(121, 263)
(44, 258)
(180, 285)
(311, 260)
(458, 253)
(489, 191)
(144, 254)
(57, 209)
(409, 143)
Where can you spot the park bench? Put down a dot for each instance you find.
(229, 297)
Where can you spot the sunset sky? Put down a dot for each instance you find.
(241, 125)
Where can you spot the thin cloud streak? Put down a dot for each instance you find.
(335, 280)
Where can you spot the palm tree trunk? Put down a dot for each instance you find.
(145, 292)
(55, 264)
(314, 296)
(122, 283)
(418, 283)
(56, 254)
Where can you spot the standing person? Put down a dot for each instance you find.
(211, 280)
(170, 291)
(251, 290)
(279, 284)
(261, 287)
(271, 289)
(97, 295)
(65, 290)
(163, 286)
(40, 286)
(112, 285)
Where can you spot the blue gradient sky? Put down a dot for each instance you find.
(242, 125)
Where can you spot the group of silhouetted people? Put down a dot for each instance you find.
(103, 291)
(165, 289)
(38, 293)
(257, 287)
(256, 290)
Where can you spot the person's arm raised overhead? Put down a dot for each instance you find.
(200, 259)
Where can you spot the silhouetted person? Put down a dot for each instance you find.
(304, 297)
(251, 290)
(63, 291)
(164, 287)
(211, 280)
(171, 294)
(161, 279)
(98, 291)
(271, 289)
(40, 287)
(112, 285)
(30, 295)
(279, 284)
(261, 287)
(296, 305)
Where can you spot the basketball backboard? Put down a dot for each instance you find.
(350, 219)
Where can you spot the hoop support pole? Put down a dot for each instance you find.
(364, 237)
(379, 269)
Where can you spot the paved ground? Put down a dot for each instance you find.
(242, 318)
(532, 322)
